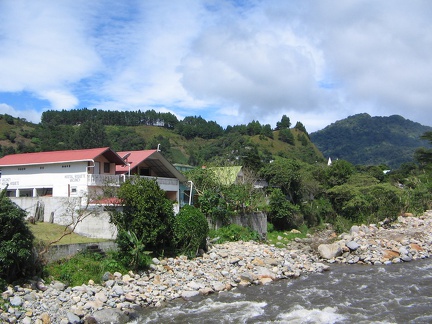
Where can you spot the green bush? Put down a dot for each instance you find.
(16, 242)
(147, 215)
(84, 266)
(190, 230)
(282, 213)
(234, 232)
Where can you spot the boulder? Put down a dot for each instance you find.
(330, 251)
(110, 315)
(352, 245)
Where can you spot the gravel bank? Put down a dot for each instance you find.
(223, 267)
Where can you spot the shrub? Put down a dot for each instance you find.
(190, 230)
(147, 215)
(282, 213)
(233, 233)
(84, 266)
(16, 241)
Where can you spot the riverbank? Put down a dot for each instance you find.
(223, 267)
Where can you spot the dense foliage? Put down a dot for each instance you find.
(190, 231)
(362, 139)
(16, 241)
(84, 266)
(146, 222)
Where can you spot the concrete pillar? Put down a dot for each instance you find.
(34, 192)
(17, 193)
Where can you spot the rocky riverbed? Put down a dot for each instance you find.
(223, 267)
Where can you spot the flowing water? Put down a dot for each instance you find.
(398, 293)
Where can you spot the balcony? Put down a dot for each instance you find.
(103, 180)
(167, 184)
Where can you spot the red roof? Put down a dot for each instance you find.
(133, 158)
(60, 157)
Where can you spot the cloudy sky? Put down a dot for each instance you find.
(316, 61)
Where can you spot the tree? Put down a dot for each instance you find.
(284, 123)
(16, 241)
(190, 230)
(423, 155)
(147, 216)
(285, 174)
(91, 134)
(339, 172)
(286, 136)
(267, 131)
(301, 127)
(282, 213)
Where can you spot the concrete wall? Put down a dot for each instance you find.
(57, 252)
(63, 211)
(255, 221)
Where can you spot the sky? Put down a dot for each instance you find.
(229, 61)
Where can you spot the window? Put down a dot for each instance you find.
(107, 167)
(21, 169)
(144, 172)
(73, 190)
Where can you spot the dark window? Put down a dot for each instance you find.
(107, 167)
(144, 172)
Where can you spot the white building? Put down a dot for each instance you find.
(53, 186)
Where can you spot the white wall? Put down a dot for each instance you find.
(61, 177)
(63, 210)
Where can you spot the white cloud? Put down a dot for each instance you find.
(59, 99)
(30, 115)
(314, 60)
(45, 45)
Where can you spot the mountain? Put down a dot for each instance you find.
(365, 140)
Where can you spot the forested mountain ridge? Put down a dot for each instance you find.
(366, 140)
(192, 140)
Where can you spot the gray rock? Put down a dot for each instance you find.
(108, 316)
(352, 245)
(118, 290)
(354, 230)
(16, 301)
(72, 318)
(406, 258)
(218, 286)
(189, 294)
(107, 276)
(58, 285)
(330, 251)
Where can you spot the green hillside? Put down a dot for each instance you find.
(362, 139)
(242, 144)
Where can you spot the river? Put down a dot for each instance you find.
(397, 293)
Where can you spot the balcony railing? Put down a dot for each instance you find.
(116, 180)
(161, 181)
(103, 180)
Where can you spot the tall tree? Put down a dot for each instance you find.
(91, 134)
(284, 123)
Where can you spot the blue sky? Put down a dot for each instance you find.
(316, 61)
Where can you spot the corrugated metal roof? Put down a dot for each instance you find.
(60, 157)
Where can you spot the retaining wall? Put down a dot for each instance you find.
(57, 252)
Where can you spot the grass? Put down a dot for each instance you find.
(82, 267)
(282, 238)
(47, 232)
